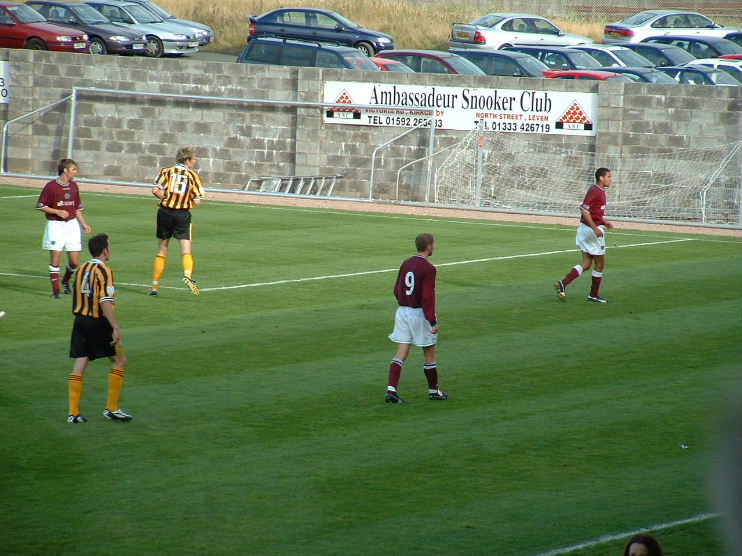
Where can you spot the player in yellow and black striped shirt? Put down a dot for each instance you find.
(179, 188)
(96, 332)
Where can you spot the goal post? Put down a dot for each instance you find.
(505, 172)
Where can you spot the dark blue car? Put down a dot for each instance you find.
(318, 25)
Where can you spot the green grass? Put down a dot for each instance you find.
(259, 423)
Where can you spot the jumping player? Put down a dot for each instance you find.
(590, 238)
(60, 202)
(179, 188)
(415, 321)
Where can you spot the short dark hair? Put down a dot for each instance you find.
(423, 240)
(601, 172)
(65, 163)
(97, 244)
(652, 544)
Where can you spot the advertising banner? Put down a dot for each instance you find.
(461, 108)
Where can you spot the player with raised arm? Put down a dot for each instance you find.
(590, 238)
(415, 321)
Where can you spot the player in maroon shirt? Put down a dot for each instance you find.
(415, 321)
(591, 238)
(60, 202)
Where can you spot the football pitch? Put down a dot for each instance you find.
(260, 426)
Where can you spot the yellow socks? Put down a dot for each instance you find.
(158, 271)
(115, 383)
(75, 393)
(187, 265)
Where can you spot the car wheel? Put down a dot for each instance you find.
(506, 45)
(36, 44)
(98, 46)
(366, 47)
(154, 47)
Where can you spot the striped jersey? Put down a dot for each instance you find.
(92, 285)
(181, 186)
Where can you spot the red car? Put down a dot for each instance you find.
(594, 75)
(23, 27)
(432, 61)
(391, 65)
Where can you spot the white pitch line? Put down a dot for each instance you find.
(628, 534)
(454, 263)
(382, 271)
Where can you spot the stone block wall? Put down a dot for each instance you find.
(128, 138)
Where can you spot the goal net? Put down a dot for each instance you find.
(505, 172)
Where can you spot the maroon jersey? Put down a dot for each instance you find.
(594, 203)
(60, 196)
(415, 286)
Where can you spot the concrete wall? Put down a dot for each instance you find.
(130, 138)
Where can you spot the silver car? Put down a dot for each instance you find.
(204, 33)
(662, 22)
(611, 55)
(495, 31)
(162, 38)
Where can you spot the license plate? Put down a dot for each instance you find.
(614, 35)
(80, 45)
(463, 35)
(137, 47)
(192, 44)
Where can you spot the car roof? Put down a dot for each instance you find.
(697, 38)
(55, 2)
(309, 43)
(595, 73)
(597, 46)
(665, 12)
(497, 53)
(436, 53)
(544, 48)
(512, 14)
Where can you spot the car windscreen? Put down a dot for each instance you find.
(158, 10)
(632, 59)
(489, 20)
(26, 14)
(638, 19)
(532, 64)
(142, 14)
(360, 61)
(464, 66)
(88, 14)
(583, 60)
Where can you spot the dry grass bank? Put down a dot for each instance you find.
(413, 25)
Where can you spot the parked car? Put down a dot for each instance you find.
(734, 36)
(698, 75)
(503, 62)
(318, 25)
(662, 22)
(661, 54)
(387, 64)
(699, 47)
(105, 37)
(646, 75)
(560, 58)
(162, 38)
(613, 55)
(732, 67)
(590, 75)
(23, 27)
(203, 32)
(313, 54)
(432, 61)
(499, 30)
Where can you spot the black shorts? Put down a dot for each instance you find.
(91, 338)
(173, 223)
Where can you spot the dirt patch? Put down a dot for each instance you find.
(387, 207)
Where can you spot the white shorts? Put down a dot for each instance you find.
(411, 327)
(588, 242)
(62, 236)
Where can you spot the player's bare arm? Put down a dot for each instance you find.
(81, 219)
(110, 313)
